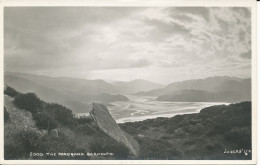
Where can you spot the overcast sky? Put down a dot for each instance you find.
(121, 43)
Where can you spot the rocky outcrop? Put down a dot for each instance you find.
(105, 122)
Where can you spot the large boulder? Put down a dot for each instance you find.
(105, 122)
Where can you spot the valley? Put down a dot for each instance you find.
(32, 125)
(140, 108)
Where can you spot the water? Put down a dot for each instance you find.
(146, 107)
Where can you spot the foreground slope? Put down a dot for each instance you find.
(209, 135)
(19, 122)
(32, 125)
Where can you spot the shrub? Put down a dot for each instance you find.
(45, 121)
(84, 120)
(28, 101)
(129, 129)
(158, 149)
(63, 144)
(10, 92)
(22, 144)
(86, 129)
(144, 127)
(30, 140)
(240, 136)
(13, 151)
(61, 114)
(102, 143)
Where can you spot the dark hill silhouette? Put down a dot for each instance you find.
(212, 88)
(68, 84)
(189, 95)
(46, 93)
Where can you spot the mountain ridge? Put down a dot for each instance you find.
(45, 93)
(137, 85)
(191, 95)
(210, 84)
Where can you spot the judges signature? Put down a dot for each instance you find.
(237, 151)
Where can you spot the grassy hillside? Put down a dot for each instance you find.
(19, 122)
(30, 123)
(205, 135)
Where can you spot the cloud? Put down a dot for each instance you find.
(199, 11)
(155, 41)
(246, 55)
(163, 30)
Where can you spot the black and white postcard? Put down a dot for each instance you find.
(129, 82)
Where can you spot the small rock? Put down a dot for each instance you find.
(140, 135)
(44, 132)
(54, 133)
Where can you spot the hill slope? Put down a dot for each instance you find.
(19, 122)
(208, 135)
(189, 95)
(47, 94)
(229, 88)
(42, 127)
(77, 88)
(213, 84)
(77, 94)
(210, 84)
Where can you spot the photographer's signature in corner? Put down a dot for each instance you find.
(237, 151)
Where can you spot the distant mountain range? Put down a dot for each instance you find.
(46, 93)
(77, 94)
(135, 86)
(68, 84)
(74, 93)
(229, 89)
(107, 98)
(190, 95)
